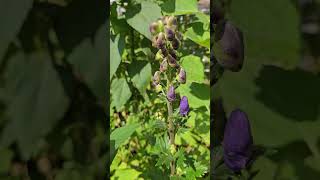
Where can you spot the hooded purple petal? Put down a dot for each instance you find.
(171, 94)
(237, 141)
(184, 106)
(182, 76)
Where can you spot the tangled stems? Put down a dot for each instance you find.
(171, 74)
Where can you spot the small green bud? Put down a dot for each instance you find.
(158, 88)
(159, 56)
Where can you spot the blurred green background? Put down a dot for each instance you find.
(279, 85)
(53, 89)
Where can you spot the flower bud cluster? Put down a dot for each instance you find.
(166, 38)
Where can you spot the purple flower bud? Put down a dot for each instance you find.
(175, 43)
(229, 47)
(172, 21)
(238, 141)
(169, 34)
(173, 53)
(182, 76)
(171, 94)
(156, 78)
(172, 61)
(164, 65)
(184, 106)
(164, 51)
(160, 40)
(153, 28)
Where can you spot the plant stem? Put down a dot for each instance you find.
(171, 134)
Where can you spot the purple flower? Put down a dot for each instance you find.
(160, 43)
(182, 76)
(153, 28)
(156, 78)
(163, 65)
(175, 43)
(170, 34)
(172, 61)
(229, 48)
(237, 141)
(184, 106)
(171, 94)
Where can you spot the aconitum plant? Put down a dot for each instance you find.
(170, 74)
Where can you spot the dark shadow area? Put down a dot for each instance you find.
(199, 90)
(293, 94)
(295, 154)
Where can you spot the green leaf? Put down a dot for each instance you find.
(198, 94)
(180, 7)
(12, 16)
(120, 93)
(140, 16)
(198, 34)
(120, 135)
(140, 73)
(40, 85)
(126, 174)
(193, 67)
(267, 38)
(116, 50)
(90, 61)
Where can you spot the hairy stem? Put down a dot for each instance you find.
(171, 134)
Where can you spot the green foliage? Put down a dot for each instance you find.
(147, 153)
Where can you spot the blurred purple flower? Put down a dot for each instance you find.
(171, 94)
(184, 106)
(237, 141)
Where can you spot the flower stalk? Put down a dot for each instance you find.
(166, 40)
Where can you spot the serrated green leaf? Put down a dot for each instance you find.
(120, 93)
(180, 7)
(140, 16)
(140, 73)
(193, 67)
(267, 38)
(198, 34)
(40, 84)
(90, 61)
(120, 135)
(116, 50)
(12, 15)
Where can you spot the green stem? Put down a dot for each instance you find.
(171, 134)
(171, 129)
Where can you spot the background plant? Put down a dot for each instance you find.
(267, 88)
(138, 114)
(53, 59)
